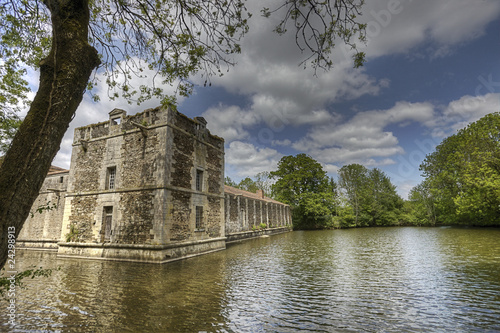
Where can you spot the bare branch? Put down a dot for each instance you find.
(173, 38)
(318, 24)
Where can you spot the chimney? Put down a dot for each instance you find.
(260, 194)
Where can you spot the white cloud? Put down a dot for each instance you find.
(362, 156)
(404, 187)
(364, 137)
(384, 162)
(403, 26)
(455, 21)
(459, 113)
(287, 95)
(284, 94)
(246, 160)
(229, 122)
(63, 157)
(330, 168)
(472, 108)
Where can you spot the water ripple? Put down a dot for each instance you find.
(368, 280)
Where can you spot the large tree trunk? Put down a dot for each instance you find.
(63, 78)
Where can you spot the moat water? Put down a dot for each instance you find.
(359, 280)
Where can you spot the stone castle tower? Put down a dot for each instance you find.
(147, 187)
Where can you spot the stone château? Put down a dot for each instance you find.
(147, 187)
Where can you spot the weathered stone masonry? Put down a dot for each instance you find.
(147, 187)
(246, 214)
(42, 229)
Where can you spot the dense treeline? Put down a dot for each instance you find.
(302, 183)
(462, 179)
(361, 197)
(461, 186)
(369, 198)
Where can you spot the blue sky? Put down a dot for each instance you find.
(432, 67)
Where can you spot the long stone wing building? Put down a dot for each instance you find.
(147, 187)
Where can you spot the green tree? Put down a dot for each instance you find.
(463, 174)
(370, 197)
(353, 179)
(229, 182)
(13, 90)
(8, 128)
(421, 205)
(247, 184)
(302, 183)
(68, 39)
(297, 175)
(264, 182)
(335, 196)
(441, 169)
(478, 199)
(385, 203)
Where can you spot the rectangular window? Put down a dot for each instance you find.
(107, 219)
(199, 217)
(110, 178)
(199, 180)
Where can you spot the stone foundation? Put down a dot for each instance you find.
(41, 245)
(239, 236)
(140, 253)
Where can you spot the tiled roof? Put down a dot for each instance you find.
(237, 191)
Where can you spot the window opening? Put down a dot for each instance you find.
(199, 180)
(111, 178)
(107, 219)
(199, 217)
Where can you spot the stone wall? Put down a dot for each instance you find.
(86, 177)
(139, 156)
(182, 160)
(43, 226)
(180, 215)
(136, 225)
(81, 219)
(215, 168)
(136, 155)
(214, 214)
(248, 213)
(156, 158)
(232, 213)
